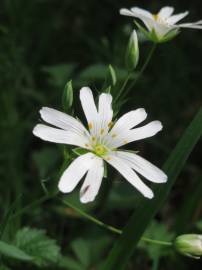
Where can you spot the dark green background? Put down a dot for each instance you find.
(38, 34)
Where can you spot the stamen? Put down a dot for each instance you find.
(125, 141)
(114, 135)
(110, 124)
(93, 138)
(108, 158)
(87, 145)
(102, 131)
(90, 125)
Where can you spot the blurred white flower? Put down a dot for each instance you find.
(162, 25)
(101, 141)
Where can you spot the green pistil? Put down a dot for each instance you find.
(100, 150)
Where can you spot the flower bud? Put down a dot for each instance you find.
(189, 245)
(67, 97)
(132, 52)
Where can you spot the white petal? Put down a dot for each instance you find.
(56, 135)
(165, 12)
(76, 170)
(62, 120)
(124, 168)
(141, 12)
(88, 104)
(136, 134)
(92, 182)
(143, 15)
(162, 29)
(129, 120)
(105, 112)
(125, 123)
(194, 25)
(126, 12)
(143, 167)
(176, 18)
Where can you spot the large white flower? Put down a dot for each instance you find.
(164, 23)
(101, 141)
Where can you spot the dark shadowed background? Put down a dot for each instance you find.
(45, 43)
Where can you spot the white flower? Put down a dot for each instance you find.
(163, 24)
(101, 140)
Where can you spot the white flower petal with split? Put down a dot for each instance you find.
(101, 141)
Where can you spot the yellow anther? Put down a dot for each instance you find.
(93, 138)
(108, 158)
(110, 124)
(90, 125)
(86, 145)
(125, 141)
(114, 135)
(102, 131)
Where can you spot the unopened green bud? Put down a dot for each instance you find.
(132, 52)
(67, 97)
(189, 245)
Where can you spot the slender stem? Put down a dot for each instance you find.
(123, 86)
(157, 242)
(143, 67)
(31, 205)
(111, 228)
(138, 75)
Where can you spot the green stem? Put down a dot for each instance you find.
(87, 216)
(111, 228)
(138, 75)
(123, 86)
(143, 68)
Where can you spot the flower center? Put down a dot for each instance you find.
(100, 150)
(156, 17)
(160, 20)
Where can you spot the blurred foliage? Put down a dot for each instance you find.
(44, 44)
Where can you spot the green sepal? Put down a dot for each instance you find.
(107, 90)
(152, 36)
(80, 151)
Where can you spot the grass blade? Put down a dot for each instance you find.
(126, 244)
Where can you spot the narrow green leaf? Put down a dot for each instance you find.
(13, 252)
(67, 98)
(126, 244)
